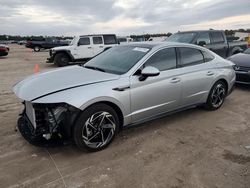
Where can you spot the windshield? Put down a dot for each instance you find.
(181, 37)
(247, 51)
(117, 60)
(73, 41)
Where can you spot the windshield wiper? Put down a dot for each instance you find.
(95, 68)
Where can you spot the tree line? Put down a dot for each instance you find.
(146, 36)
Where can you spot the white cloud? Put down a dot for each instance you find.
(233, 22)
(120, 23)
(52, 17)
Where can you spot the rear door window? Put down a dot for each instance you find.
(97, 40)
(190, 56)
(163, 59)
(217, 37)
(110, 39)
(207, 56)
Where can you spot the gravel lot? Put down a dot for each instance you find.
(195, 148)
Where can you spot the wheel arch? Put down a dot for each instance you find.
(114, 104)
(236, 50)
(116, 108)
(67, 52)
(224, 81)
(69, 130)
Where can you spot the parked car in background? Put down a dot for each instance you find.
(124, 40)
(4, 51)
(123, 86)
(242, 66)
(4, 45)
(22, 42)
(82, 48)
(214, 40)
(46, 43)
(157, 39)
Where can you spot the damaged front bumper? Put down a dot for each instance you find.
(46, 121)
(51, 58)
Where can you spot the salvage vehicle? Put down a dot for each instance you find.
(242, 66)
(45, 43)
(4, 50)
(123, 86)
(213, 40)
(81, 49)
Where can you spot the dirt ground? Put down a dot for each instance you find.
(194, 148)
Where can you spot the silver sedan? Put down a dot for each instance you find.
(123, 86)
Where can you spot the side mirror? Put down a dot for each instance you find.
(202, 43)
(148, 71)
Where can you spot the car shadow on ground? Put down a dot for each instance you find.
(243, 87)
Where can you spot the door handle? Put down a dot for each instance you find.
(210, 73)
(89, 47)
(121, 88)
(175, 80)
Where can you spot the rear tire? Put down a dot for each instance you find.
(216, 96)
(96, 127)
(61, 59)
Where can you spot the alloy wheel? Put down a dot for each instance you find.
(218, 95)
(98, 130)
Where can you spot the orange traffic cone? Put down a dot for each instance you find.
(36, 69)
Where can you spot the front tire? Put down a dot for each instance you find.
(96, 127)
(37, 48)
(61, 59)
(216, 96)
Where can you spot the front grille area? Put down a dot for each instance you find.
(244, 69)
(37, 117)
(243, 78)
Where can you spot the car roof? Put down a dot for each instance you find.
(163, 44)
(198, 31)
(97, 35)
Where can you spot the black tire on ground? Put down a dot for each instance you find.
(216, 96)
(61, 59)
(96, 127)
(37, 48)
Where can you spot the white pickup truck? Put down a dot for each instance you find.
(81, 49)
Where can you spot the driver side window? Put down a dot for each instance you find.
(163, 59)
(84, 41)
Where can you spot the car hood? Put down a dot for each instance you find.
(241, 59)
(43, 84)
(62, 48)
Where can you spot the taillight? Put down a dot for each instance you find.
(3, 49)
